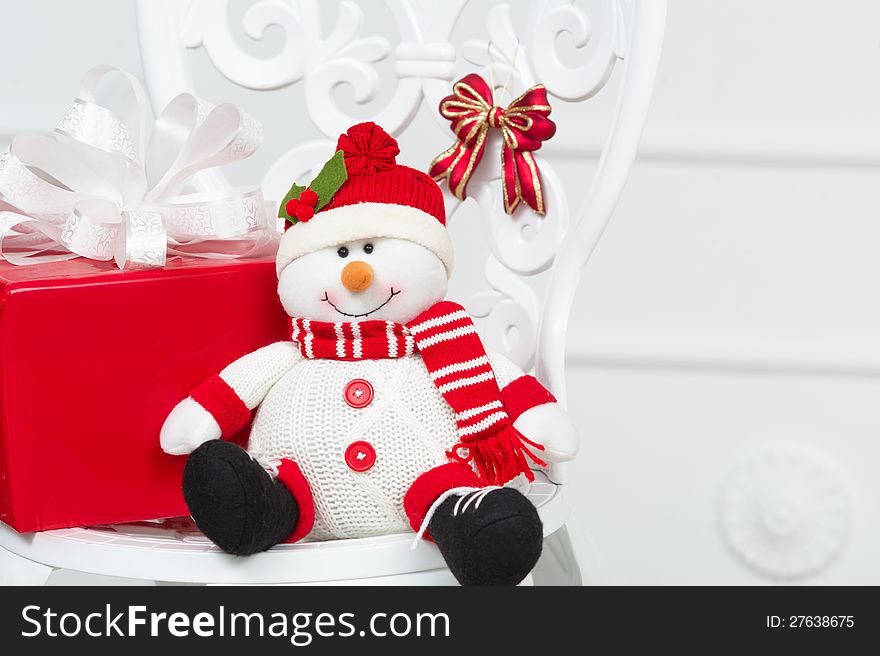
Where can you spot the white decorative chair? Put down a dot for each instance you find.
(530, 327)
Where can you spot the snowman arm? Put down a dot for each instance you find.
(519, 392)
(232, 395)
(221, 406)
(534, 411)
(253, 375)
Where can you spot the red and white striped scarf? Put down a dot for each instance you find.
(447, 340)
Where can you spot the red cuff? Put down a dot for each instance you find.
(524, 393)
(429, 486)
(217, 397)
(290, 474)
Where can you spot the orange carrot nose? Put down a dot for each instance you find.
(357, 276)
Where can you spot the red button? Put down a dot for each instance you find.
(360, 456)
(358, 393)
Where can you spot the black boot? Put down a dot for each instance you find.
(234, 501)
(494, 537)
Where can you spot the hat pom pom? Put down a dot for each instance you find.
(368, 149)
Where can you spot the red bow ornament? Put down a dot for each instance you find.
(524, 124)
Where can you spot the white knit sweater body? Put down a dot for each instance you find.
(303, 416)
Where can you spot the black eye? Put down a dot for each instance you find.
(368, 248)
(342, 252)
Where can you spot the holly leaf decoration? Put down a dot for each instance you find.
(294, 192)
(330, 179)
(332, 176)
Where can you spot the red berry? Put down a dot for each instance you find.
(291, 207)
(288, 225)
(309, 197)
(304, 212)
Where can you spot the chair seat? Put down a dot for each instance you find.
(174, 551)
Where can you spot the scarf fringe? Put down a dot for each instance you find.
(501, 457)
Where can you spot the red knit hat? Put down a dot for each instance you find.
(379, 198)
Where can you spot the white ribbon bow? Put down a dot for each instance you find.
(97, 188)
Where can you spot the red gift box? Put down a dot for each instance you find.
(92, 360)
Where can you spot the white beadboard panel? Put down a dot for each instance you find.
(742, 251)
(787, 82)
(780, 63)
(711, 141)
(793, 354)
(658, 445)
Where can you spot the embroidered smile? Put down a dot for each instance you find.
(355, 316)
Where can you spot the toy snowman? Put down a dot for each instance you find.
(383, 412)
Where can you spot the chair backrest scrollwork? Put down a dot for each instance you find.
(427, 53)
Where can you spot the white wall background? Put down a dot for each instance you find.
(733, 302)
